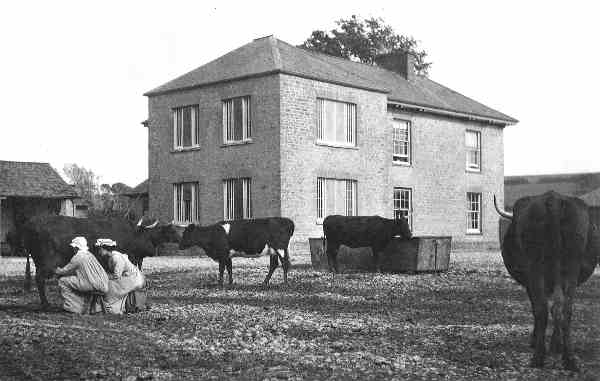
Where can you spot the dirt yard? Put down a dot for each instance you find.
(472, 322)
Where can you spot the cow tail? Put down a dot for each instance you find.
(554, 208)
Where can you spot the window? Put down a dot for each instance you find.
(403, 204)
(401, 141)
(336, 122)
(335, 197)
(237, 199)
(473, 212)
(186, 202)
(473, 143)
(236, 120)
(186, 129)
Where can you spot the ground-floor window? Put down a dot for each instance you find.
(335, 196)
(403, 204)
(186, 202)
(237, 201)
(473, 213)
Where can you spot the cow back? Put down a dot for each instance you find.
(359, 231)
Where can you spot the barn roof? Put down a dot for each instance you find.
(268, 55)
(27, 179)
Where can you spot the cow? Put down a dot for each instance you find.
(245, 238)
(550, 248)
(46, 239)
(361, 231)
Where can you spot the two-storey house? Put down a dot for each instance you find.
(270, 129)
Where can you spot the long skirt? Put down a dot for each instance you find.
(75, 294)
(118, 290)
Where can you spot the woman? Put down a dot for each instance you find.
(124, 276)
(80, 276)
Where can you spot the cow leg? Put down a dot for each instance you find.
(332, 252)
(40, 280)
(540, 316)
(285, 264)
(568, 357)
(272, 266)
(222, 262)
(229, 270)
(377, 258)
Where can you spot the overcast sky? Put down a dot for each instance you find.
(72, 73)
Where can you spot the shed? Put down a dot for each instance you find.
(28, 189)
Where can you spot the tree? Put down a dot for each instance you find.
(363, 40)
(83, 180)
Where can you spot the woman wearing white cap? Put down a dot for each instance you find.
(80, 276)
(124, 276)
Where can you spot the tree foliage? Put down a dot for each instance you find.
(363, 40)
(84, 180)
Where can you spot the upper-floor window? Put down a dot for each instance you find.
(186, 128)
(336, 122)
(237, 201)
(335, 197)
(473, 145)
(401, 141)
(403, 204)
(237, 120)
(473, 212)
(186, 202)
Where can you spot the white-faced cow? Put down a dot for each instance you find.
(362, 231)
(550, 248)
(245, 238)
(47, 239)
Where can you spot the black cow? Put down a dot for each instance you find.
(248, 238)
(47, 239)
(361, 231)
(550, 248)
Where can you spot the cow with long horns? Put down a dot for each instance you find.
(550, 248)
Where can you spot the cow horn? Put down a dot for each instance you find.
(140, 222)
(503, 213)
(153, 225)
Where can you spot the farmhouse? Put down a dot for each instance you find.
(28, 189)
(270, 129)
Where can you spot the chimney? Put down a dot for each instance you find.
(400, 62)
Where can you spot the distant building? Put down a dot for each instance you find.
(270, 129)
(138, 199)
(28, 189)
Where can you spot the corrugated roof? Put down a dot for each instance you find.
(26, 179)
(269, 56)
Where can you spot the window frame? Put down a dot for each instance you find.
(321, 197)
(396, 157)
(351, 140)
(409, 211)
(471, 167)
(474, 212)
(194, 126)
(246, 120)
(229, 207)
(178, 210)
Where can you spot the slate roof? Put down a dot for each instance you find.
(269, 55)
(25, 179)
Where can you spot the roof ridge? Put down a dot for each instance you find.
(469, 98)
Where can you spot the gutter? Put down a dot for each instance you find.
(455, 114)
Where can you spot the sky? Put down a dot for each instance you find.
(72, 73)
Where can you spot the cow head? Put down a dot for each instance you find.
(192, 237)
(159, 233)
(402, 228)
